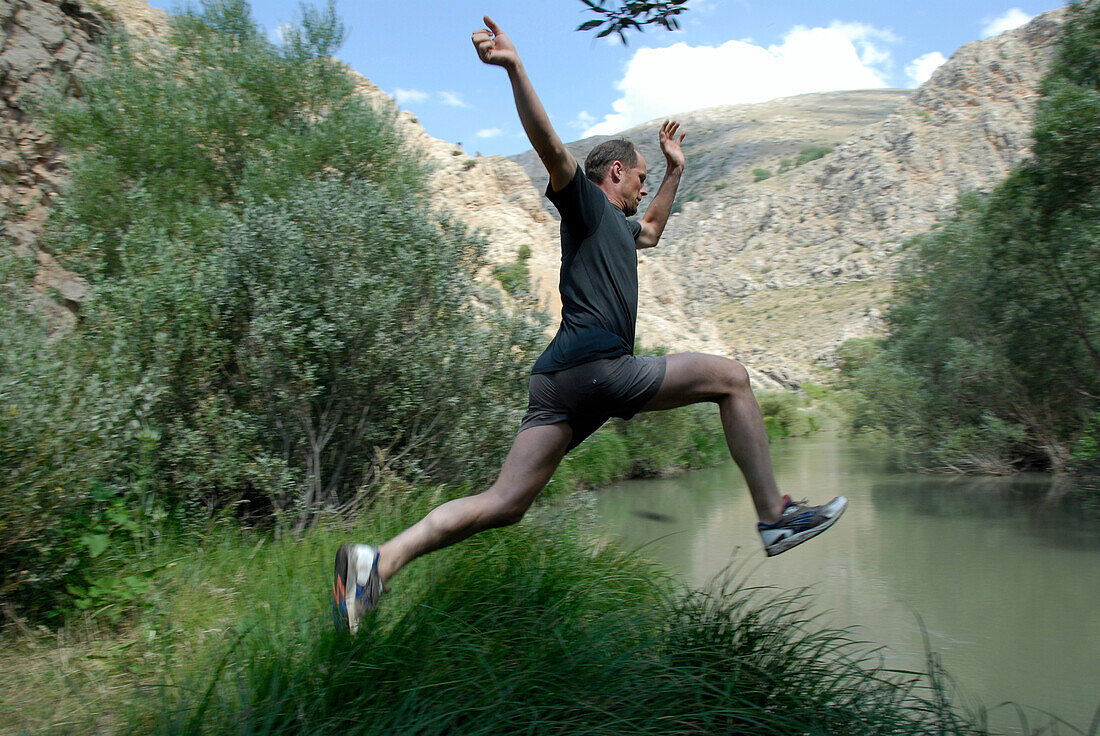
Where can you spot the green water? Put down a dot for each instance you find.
(1004, 576)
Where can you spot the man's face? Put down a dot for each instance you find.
(632, 188)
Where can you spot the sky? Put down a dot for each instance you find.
(727, 52)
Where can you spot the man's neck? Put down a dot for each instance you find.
(612, 197)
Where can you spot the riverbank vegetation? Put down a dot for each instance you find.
(537, 629)
(992, 361)
(276, 318)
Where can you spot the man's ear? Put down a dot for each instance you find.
(616, 171)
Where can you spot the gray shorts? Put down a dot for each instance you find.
(588, 395)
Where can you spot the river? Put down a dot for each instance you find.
(1005, 578)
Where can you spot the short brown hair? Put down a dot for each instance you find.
(600, 158)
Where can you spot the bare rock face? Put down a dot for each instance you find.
(793, 265)
(45, 44)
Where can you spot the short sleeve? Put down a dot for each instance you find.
(580, 203)
(635, 228)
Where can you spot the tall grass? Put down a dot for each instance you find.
(529, 630)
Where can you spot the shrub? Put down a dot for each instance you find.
(363, 351)
(811, 153)
(760, 174)
(69, 429)
(514, 278)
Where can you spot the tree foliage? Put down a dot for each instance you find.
(277, 318)
(632, 15)
(993, 356)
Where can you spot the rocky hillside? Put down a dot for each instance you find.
(777, 272)
(789, 267)
(793, 265)
(725, 144)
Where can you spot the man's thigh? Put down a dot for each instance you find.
(692, 378)
(535, 455)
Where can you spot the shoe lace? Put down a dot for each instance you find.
(790, 503)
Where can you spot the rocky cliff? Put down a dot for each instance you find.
(44, 44)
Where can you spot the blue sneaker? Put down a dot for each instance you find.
(356, 585)
(798, 523)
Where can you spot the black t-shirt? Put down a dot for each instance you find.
(599, 278)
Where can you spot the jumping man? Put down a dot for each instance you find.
(589, 373)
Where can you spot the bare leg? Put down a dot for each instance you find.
(531, 462)
(692, 378)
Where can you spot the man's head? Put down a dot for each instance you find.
(618, 168)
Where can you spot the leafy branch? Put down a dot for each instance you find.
(632, 15)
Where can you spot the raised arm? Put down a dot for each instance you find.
(656, 215)
(495, 48)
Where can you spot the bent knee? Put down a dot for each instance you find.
(735, 378)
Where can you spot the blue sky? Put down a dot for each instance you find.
(728, 52)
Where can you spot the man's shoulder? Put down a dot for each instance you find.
(579, 185)
(581, 203)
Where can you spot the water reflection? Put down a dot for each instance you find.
(1005, 575)
(1036, 505)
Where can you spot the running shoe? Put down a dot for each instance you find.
(356, 584)
(798, 523)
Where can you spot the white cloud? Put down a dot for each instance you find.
(920, 69)
(452, 100)
(1010, 19)
(405, 96)
(584, 120)
(681, 78)
(488, 132)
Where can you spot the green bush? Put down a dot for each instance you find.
(276, 319)
(362, 339)
(811, 153)
(650, 444)
(789, 414)
(69, 433)
(761, 174)
(514, 278)
(256, 239)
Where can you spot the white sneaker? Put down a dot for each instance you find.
(798, 523)
(356, 584)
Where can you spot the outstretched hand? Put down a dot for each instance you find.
(670, 145)
(493, 46)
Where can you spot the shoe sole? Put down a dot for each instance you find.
(796, 539)
(340, 609)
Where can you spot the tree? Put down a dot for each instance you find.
(258, 244)
(632, 15)
(993, 354)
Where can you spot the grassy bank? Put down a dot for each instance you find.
(532, 629)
